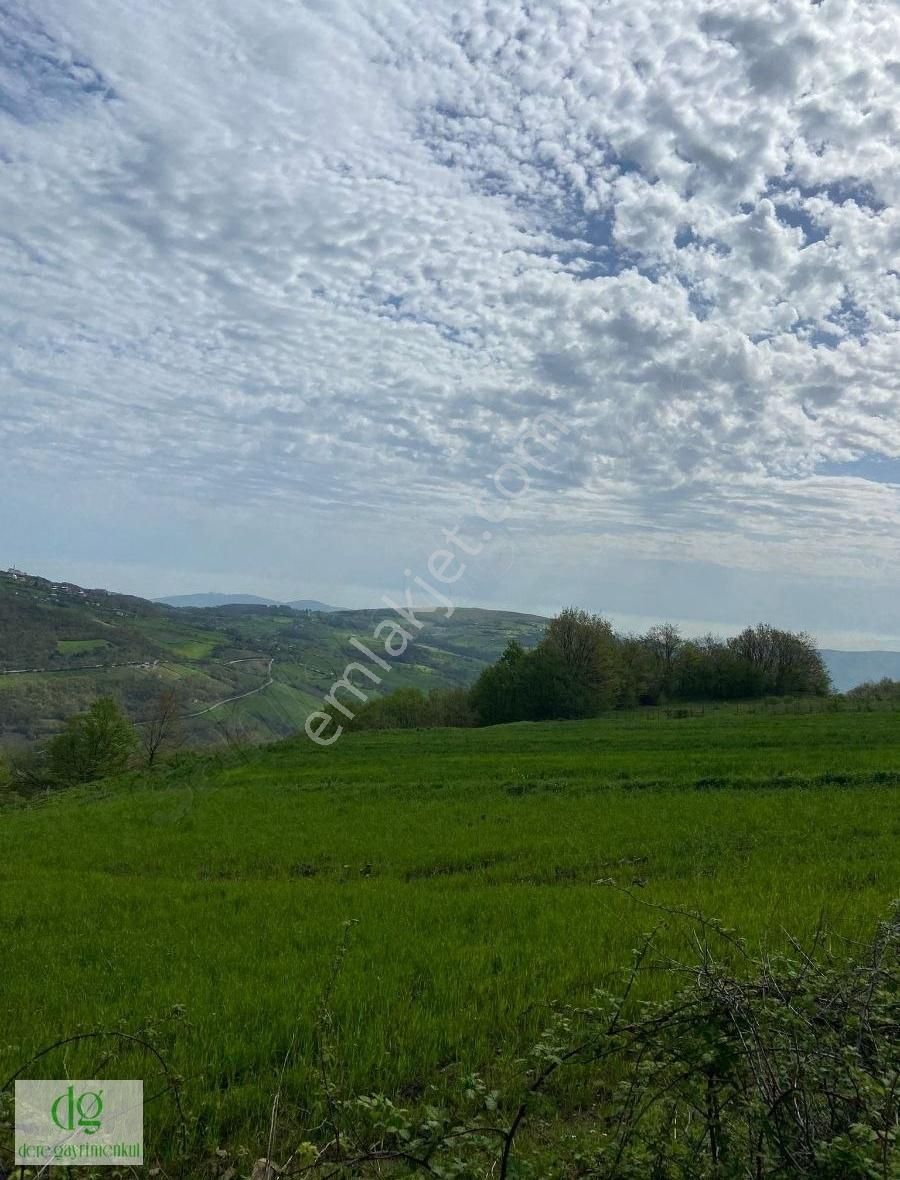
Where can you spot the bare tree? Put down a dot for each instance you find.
(235, 734)
(163, 727)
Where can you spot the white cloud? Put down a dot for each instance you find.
(324, 258)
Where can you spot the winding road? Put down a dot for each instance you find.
(150, 664)
(241, 696)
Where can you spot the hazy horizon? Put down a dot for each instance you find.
(691, 627)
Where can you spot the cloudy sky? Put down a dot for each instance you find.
(282, 281)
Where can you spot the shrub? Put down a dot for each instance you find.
(92, 746)
(881, 690)
(783, 1069)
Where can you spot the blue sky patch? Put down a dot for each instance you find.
(877, 468)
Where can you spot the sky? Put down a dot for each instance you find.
(283, 286)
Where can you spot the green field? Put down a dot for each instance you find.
(469, 861)
(77, 647)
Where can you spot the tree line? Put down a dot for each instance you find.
(885, 689)
(582, 667)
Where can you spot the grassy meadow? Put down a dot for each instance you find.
(469, 863)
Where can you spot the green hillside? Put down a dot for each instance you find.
(62, 646)
(211, 898)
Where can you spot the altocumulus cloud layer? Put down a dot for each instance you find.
(288, 277)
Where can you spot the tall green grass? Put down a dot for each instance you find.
(469, 862)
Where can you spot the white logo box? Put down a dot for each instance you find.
(79, 1123)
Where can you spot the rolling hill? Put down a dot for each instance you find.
(242, 671)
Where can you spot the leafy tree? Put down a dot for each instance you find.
(546, 691)
(93, 745)
(450, 706)
(707, 669)
(782, 663)
(692, 679)
(537, 685)
(590, 650)
(663, 643)
(410, 708)
(495, 696)
(641, 682)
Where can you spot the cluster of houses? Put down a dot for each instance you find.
(66, 588)
(58, 591)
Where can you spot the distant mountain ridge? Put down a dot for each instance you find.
(314, 604)
(212, 600)
(201, 601)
